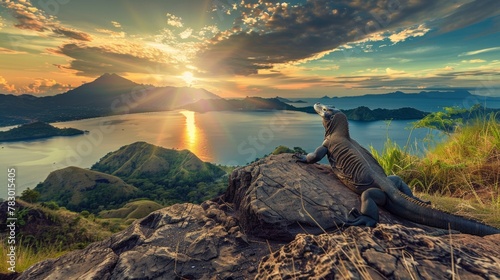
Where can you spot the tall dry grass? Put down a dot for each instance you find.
(462, 170)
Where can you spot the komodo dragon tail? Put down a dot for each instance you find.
(422, 213)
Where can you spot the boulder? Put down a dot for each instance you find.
(277, 220)
(276, 198)
(184, 241)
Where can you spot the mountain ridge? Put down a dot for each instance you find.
(109, 94)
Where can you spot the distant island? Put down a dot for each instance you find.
(36, 130)
(361, 113)
(286, 100)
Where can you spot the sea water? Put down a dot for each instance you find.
(227, 138)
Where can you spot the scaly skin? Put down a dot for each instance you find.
(361, 172)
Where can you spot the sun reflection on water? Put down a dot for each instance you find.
(191, 132)
(193, 137)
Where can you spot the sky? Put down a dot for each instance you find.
(253, 47)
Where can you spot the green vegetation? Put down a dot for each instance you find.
(80, 189)
(284, 149)
(106, 203)
(453, 117)
(36, 130)
(136, 171)
(27, 256)
(462, 174)
(165, 176)
(30, 195)
(45, 233)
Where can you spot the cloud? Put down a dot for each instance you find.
(38, 86)
(71, 33)
(393, 72)
(186, 33)
(421, 30)
(480, 51)
(9, 51)
(93, 60)
(116, 24)
(174, 20)
(4, 85)
(474, 61)
(446, 77)
(269, 33)
(45, 86)
(2, 24)
(387, 79)
(28, 17)
(467, 14)
(111, 33)
(31, 18)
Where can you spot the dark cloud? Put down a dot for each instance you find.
(94, 60)
(31, 18)
(73, 34)
(270, 33)
(27, 16)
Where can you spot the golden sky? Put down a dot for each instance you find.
(252, 48)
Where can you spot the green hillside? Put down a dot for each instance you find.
(39, 227)
(132, 210)
(143, 160)
(81, 189)
(164, 175)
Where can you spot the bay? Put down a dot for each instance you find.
(227, 138)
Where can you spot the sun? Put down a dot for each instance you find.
(188, 77)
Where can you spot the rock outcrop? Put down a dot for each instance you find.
(276, 198)
(276, 221)
(384, 252)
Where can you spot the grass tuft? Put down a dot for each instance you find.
(465, 167)
(27, 255)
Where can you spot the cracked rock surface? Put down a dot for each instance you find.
(384, 252)
(277, 220)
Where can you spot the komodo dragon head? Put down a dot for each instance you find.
(334, 121)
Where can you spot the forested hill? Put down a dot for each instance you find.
(138, 170)
(142, 160)
(36, 130)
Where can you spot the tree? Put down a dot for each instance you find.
(30, 195)
(445, 121)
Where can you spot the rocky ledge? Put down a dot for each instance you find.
(277, 220)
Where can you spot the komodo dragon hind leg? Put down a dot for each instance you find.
(368, 216)
(404, 188)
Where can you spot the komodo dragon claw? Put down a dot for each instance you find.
(299, 157)
(362, 220)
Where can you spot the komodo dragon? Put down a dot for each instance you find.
(361, 172)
